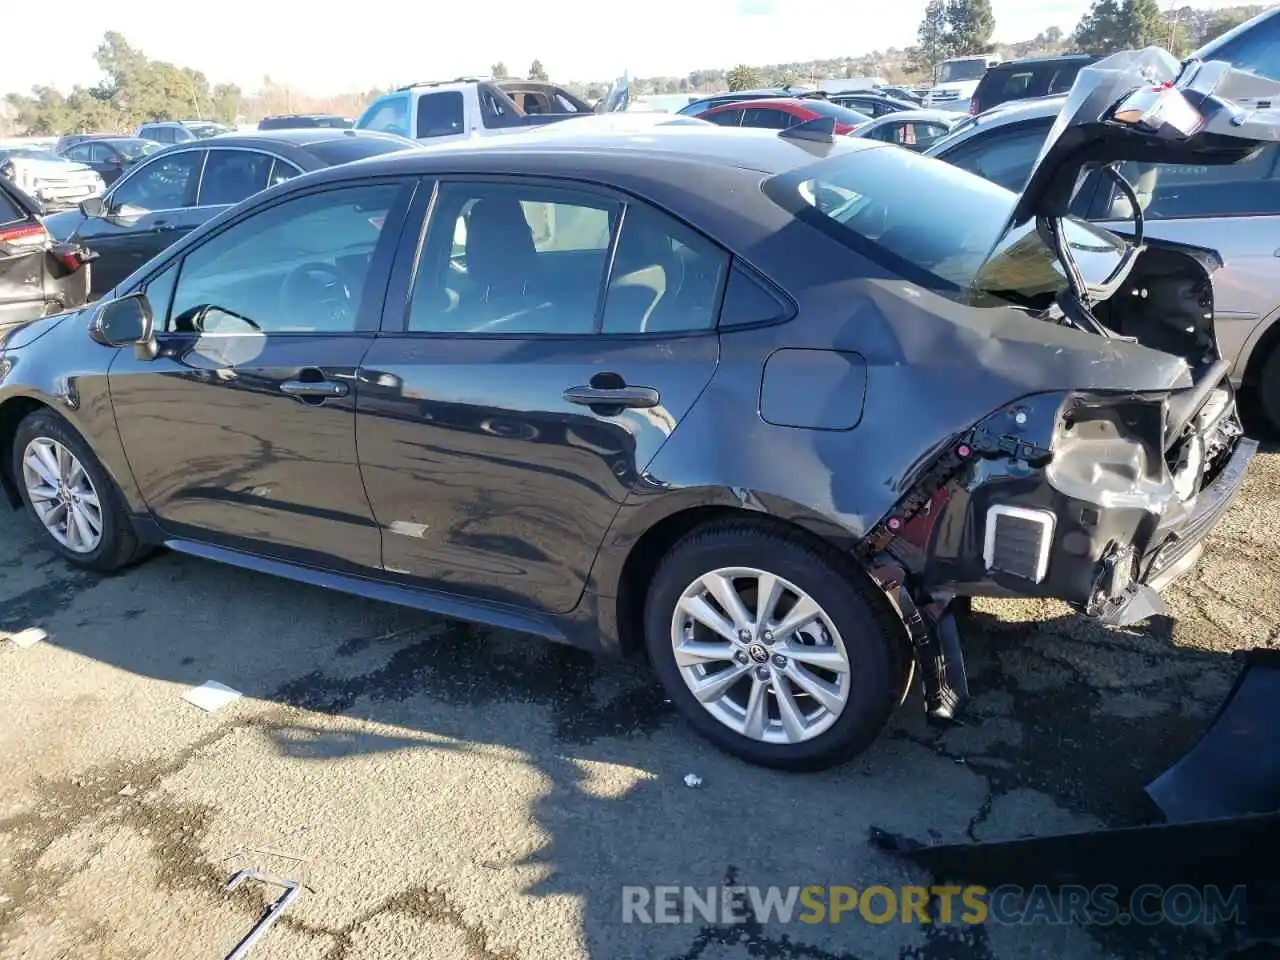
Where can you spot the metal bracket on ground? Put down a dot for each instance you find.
(270, 915)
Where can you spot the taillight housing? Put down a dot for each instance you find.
(23, 235)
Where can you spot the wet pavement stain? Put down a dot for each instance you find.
(457, 665)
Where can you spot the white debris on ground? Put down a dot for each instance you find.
(211, 696)
(692, 780)
(25, 638)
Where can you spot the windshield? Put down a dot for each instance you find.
(884, 203)
(836, 112)
(954, 71)
(206, 130)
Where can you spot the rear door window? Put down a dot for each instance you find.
(167, 183)
(724, 118)
(231, 175)
(768, 118)
(440, 114)
(1183, 191)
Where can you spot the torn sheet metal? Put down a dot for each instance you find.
(1233, 770)
(270, 915)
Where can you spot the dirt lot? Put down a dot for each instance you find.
(449, 792)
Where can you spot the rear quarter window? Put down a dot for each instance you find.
(346, 149)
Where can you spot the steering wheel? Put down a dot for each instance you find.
(317, 293)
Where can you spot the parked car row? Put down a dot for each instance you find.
(621, 391)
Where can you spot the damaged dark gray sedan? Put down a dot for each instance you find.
(762, 405)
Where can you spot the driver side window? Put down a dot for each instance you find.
(164, 184)
(296, 267)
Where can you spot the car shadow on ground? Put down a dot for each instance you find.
(1069, 720)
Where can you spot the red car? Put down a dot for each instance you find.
(782, 112)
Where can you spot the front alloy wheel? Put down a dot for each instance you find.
(62, 495)
(760, 655)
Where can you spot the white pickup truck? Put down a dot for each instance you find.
(468, 107)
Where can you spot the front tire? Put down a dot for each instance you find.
(70, 495)
(776, 652)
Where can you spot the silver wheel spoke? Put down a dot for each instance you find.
(49, 458)
(757, 709)
(722, 588)
(789, 711)
(35, 462)
(42, 492)
(717, 684)
(825, 693)
(801, 615)
(825, 658)
(768, 593)
(693, 652)
(703, 612)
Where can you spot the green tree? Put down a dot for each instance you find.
(1112, 25)
(970, 24)
(537, 71)
(226, 101)
(499, 71)
(934, 37)
(742, 77)
(1226, 20)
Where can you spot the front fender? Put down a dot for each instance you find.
(67, 372)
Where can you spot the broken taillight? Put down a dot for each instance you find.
(1160, 108)
(24, 235)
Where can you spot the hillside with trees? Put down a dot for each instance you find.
(135, 88)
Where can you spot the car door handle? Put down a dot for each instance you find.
(638, 397)
(314, 388)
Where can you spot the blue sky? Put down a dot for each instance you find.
(334, 49)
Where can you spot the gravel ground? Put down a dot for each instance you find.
(449, 792)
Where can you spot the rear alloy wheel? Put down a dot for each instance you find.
(770, 650)
(70, 494)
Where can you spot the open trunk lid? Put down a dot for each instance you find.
(1144, 105)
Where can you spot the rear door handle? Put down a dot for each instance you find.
(638, 397)
(314, 388)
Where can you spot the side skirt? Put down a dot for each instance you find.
(430, 601)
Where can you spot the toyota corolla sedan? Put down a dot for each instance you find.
(739, 399)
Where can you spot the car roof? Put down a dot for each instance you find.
(300, 137)
(763, 102)
(1013, 111)
(589, 151)
(939, 116)
(1034, 61)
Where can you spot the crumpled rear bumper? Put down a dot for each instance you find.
(1012, 508)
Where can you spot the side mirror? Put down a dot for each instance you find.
(125, 321)
(93, 207)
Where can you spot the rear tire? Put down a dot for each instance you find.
(1266, 393)
(770, 693)
(70, 496)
